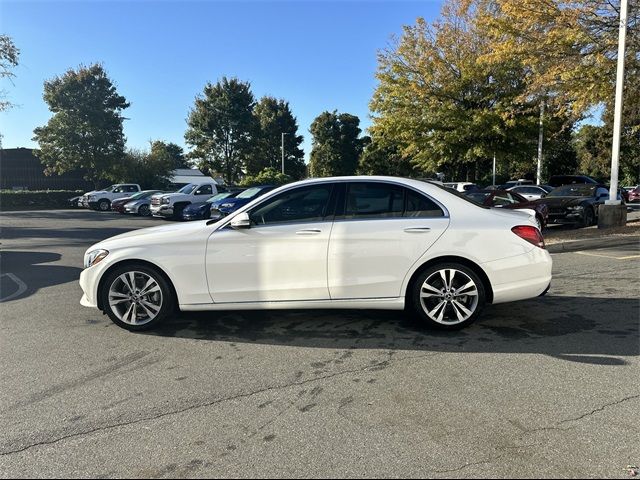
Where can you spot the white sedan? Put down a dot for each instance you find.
(346, 242)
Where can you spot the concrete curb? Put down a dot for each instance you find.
(592, 243)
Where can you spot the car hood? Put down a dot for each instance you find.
(95, 192)
(120, 199)
(232, 201)
(561, 202)
(195, 206)
(140, 201)
(151, 235)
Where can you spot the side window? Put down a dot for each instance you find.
(131, 188)
(304, 204)
(204, 190)
(503, 199)
(373, 200)
(421, 206)
(118, 190)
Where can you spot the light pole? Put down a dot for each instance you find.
(282, 147)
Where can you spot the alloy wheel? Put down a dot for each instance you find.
(449, 296)
(135, 298)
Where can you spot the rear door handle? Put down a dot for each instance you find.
(309, 231)
(417, 229)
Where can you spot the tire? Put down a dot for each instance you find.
(144, 210)
(104, 205)
(126, 307)
(435, 301)
(177, 211)
(588, 217)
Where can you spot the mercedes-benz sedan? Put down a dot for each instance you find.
(347, 242)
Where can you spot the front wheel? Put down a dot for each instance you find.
(144, 211)
(137, 297)
(588, 217)
(104, 205)
(447, 296)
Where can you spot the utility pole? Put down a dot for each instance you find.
(282, 147)
(494, 168)
(540, 137)
(617, 118)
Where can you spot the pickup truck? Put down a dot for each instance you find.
(101, 199)
(170, 205)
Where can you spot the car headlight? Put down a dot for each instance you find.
(94, 257)
(226, 205)
(164, 200)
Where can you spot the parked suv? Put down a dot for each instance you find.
(101, 199)
(559, 180)
(170, 205)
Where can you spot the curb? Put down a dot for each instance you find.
(592, 243)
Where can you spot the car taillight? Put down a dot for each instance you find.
(530, 234)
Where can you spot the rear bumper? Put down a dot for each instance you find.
(520, 277)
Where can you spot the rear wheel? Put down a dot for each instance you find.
(447, 296)
(137, 297)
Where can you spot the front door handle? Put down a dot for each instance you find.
(309, 231)
(417, 229)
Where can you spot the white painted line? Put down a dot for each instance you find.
(22, 287)
(607, 256)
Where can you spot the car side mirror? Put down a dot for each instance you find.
(241, 220)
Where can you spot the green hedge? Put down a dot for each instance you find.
(39, 199)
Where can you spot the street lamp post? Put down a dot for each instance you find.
(282, 148)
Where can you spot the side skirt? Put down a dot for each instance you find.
(396, 303)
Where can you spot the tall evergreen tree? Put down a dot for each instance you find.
(85, 131)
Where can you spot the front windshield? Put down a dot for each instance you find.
(188, 188)
(576, 190)
(219, 196)
(138, 195)
(251, 192)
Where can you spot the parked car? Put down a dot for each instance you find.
(118, 205)
(170, 205)
(559, 180)
(510, 200)
(530, 192)
(101, 199)
(515, 183)
(202, 210)
(634, 195)
(228, 205)
(326, 243)
(75, 202)
(575, 204)
(462, 186)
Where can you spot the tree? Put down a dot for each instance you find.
(442, 108)
(149, 170)
(222, 127)
(336, 144)
(170, 151)
(85, 131)
(569, 47)
(274, 118)
(268, 176)
(9, 55)
(384, 158)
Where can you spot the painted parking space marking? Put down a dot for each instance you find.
(590, 254)
(22, 287)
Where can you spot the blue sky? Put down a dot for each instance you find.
(317, 55)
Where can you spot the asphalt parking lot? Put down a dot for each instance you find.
(542, 388)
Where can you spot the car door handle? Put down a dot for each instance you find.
(417, 229)
(309, 231)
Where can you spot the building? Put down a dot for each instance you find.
(20, 169)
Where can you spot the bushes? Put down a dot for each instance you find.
(27, 200)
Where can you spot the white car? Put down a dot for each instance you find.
(101, 199)
(170, 205)
(462, 186)
(531, 192)
(346, 242)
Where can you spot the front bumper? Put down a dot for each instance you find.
(161, 211)
(565, 218)
(133, 209)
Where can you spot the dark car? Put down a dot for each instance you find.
(559, 180)
(118, 205)
(512, 200)
(202, 210)
(576, 204)
(634, 195)
(228, 205)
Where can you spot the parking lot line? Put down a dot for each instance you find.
(628, 257)
(22, 287)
